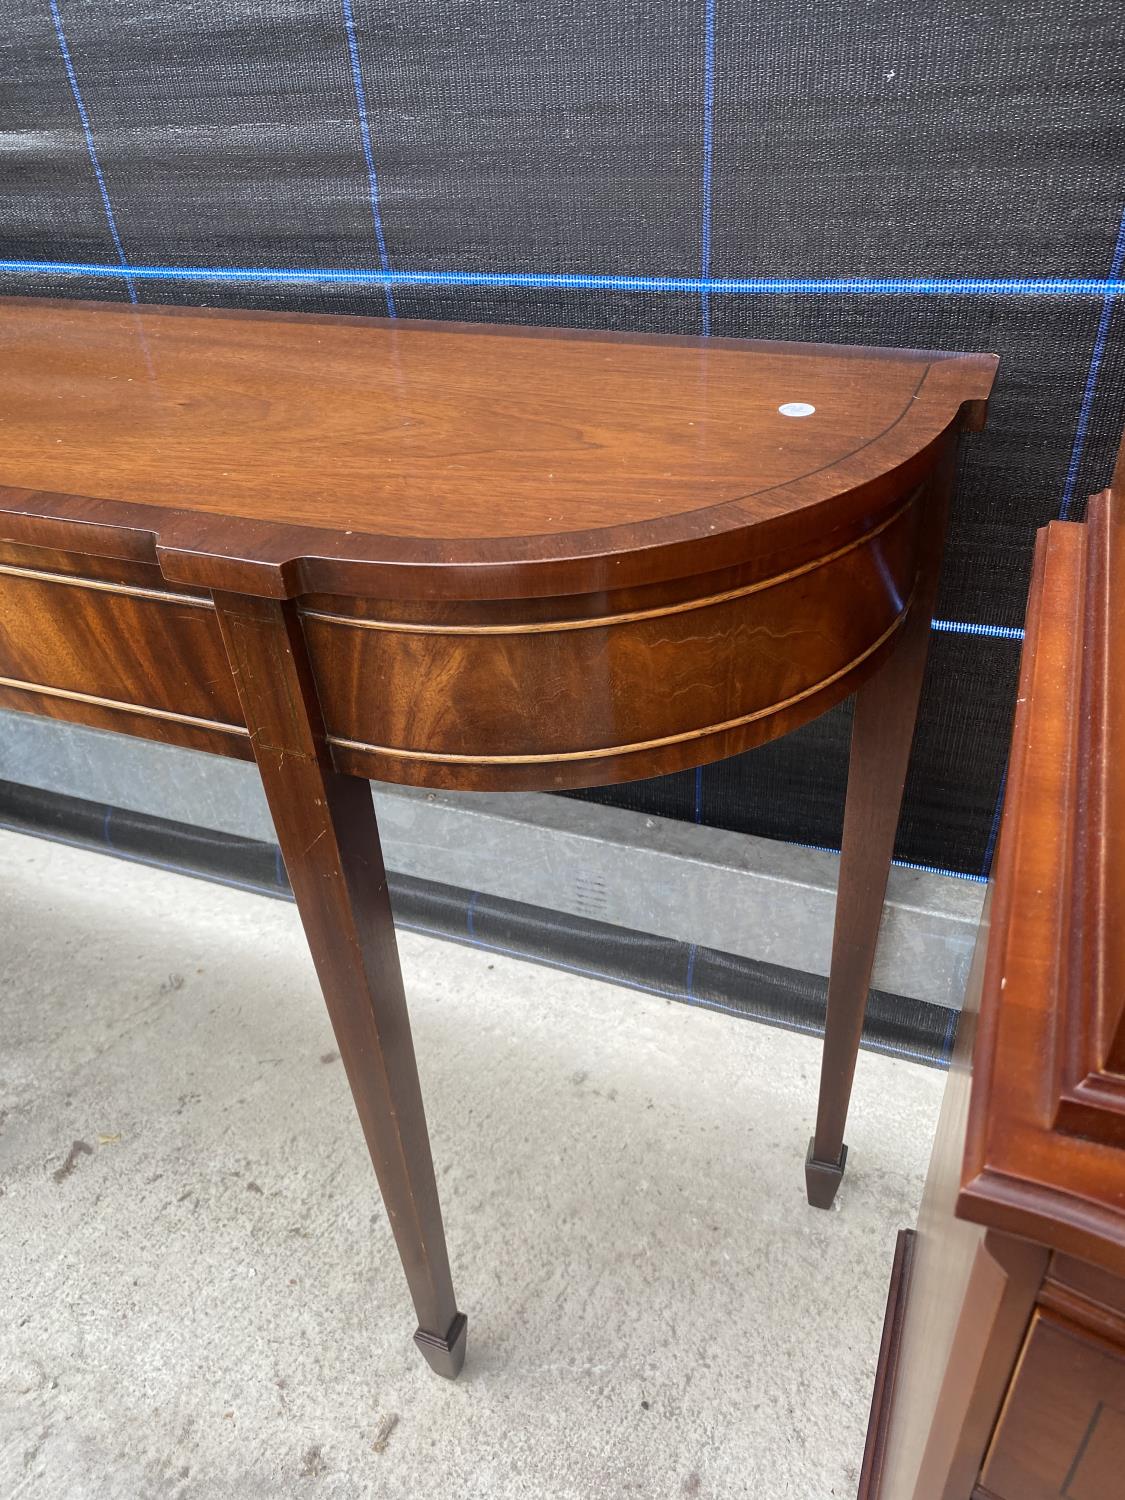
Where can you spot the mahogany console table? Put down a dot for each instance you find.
(480, 558)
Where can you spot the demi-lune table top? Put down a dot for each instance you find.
(445, 460)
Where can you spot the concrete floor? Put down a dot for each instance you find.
(200, 1296)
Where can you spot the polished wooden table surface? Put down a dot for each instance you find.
(480, 558)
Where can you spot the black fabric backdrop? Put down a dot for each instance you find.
(656, 139)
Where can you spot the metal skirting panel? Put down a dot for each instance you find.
(729, 893)
(694, 975)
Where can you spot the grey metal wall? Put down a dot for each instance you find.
(944, 175)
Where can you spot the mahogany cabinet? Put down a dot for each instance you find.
(1002, 1370)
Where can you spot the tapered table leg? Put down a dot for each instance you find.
(886, 708)
(326, 827)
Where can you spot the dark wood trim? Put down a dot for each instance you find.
(106, 586)
(883, 1395)
(1014, 1338)
(886, 712)
(1084, 1313)
(329, 840)
(141, 711)
(231, 740)
(1044, 1155)
(608, 621)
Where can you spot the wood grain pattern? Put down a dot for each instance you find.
(886, 710)
(645, 681)
(287, 454)
(1062, 1432)
(119, 655)
(886, 1374)
(971, 1295)
(608, 697)
(466, 557)
(1090, 1283)
(326, 828)
(1078, 1299)
(1011, 1372)
(1045, 1154)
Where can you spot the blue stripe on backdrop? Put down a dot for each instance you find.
(746, 286)
(91, 149)
(1092, 375)
(901, 864)
(970, 627)
(994, 827)
(368, 154)
(708, 154)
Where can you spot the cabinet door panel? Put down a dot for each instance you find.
(1062, 1433)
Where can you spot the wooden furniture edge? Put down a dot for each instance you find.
(1044, 1155)
(886, 1373)
(277, 560)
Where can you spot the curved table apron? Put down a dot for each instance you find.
(474, 558)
